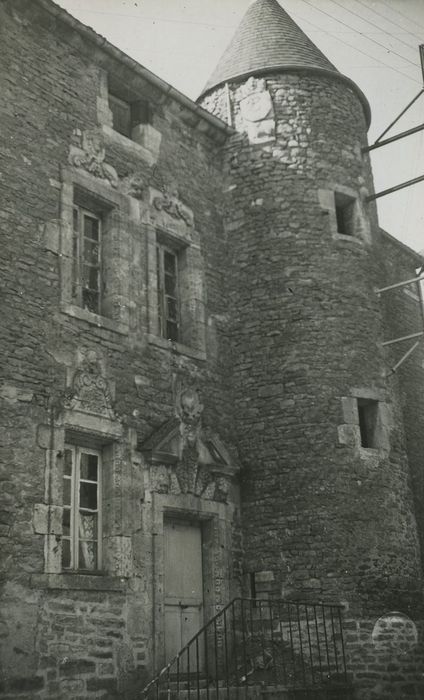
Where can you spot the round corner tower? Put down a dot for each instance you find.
(326, 503)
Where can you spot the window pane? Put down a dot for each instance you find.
(66, 554)
(66, 522)
(91, 252)
(171, 330)
(88, 495)
(75, 218)
(171, 308)
(91, 277)
(66, 491)
(67, 467)
(88, 466)
(91, 301)
(170, 284)
(87, 526)
(88, 555)
(170, 262)
(91, 227)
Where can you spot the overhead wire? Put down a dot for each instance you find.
(352, 46)
(420, 39)
(372, 24)
(390, 7)
(378, 43)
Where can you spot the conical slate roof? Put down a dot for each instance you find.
(267, 38)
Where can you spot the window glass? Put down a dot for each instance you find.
(86, 250)
(168, 301)
(81, 513)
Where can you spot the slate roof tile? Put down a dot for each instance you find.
(267, 38)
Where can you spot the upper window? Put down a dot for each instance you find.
(168, 293)
(121, 115)
(345, 214)
(127, 113)
(87, 259)
(81, 519)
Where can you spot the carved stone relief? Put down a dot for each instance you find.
(89, 390)
(257, 111)
(87, 152)
(186, 458)
(169, 201)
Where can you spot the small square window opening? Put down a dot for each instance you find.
(127, 110)
(368, 422)
(121, 115)
(81, 519)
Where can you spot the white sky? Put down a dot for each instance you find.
(374, 42)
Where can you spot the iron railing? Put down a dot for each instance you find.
(253, 642)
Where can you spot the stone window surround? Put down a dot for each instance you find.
(105, 435)
(361, 225)
(117, 209)
(145, 140)
(216, 519)
(349, 433)
(191, 293)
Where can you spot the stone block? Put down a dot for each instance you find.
(350, 410)
(47, 520)
(76, 667)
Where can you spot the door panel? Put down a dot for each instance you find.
(183, 585)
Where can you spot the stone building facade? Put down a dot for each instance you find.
(193, 365)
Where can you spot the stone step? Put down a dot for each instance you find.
(255, 692)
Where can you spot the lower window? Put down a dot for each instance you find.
(81, 520)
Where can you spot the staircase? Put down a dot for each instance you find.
(260, 650)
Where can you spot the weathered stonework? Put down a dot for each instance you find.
(248, 425)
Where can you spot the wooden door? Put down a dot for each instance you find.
(183, 586)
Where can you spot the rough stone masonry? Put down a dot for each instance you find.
(192, 348)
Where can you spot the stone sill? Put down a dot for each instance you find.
(344, 237)
(79, 582)
(176, 347)
(94, 319)
(129, 144)
(371, 452)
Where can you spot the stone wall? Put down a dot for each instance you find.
(324, 516)
(104, 380)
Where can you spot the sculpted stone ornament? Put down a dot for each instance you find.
(90, 391)
(189, 410)
(169, 201)
(133, 185)
(257, 111)
(89, 155)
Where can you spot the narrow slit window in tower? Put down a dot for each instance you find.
(368, 422)
(345, 210)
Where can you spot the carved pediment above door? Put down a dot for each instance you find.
(203, 467)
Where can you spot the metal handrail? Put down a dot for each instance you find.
(297, 642)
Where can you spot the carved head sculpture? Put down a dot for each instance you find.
(190, 406)
(189, 409)
(92, 363)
